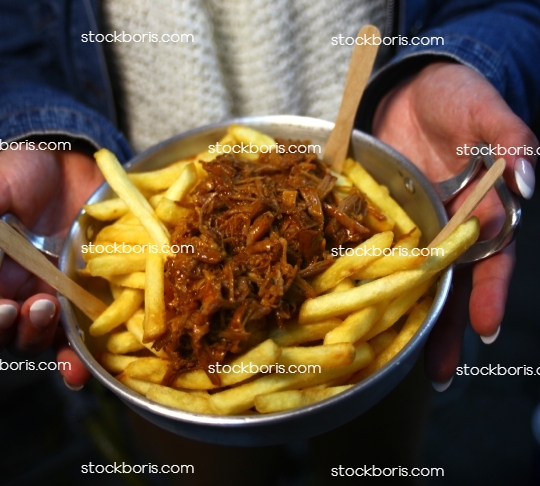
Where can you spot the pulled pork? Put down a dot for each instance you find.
(258, 231)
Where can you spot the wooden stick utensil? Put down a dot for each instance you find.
(360, 67)
(24, 253)
(472, 200)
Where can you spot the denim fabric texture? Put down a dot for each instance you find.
(499, 39)
(52, 83)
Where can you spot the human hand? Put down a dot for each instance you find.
(45, 190)
(426, 118)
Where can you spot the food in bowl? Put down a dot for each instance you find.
(284, 275)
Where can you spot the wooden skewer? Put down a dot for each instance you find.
(360, 67)
(473, 199)
(24, 253)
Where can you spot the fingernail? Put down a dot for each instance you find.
(525, 178)
(73, 387)
(8, 314)
(440, 387)
(491, 339)
(41, 312)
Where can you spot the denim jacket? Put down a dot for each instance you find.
(51, 83)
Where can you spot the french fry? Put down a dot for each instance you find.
(355, 325)
(123, 186)
(114, 363)
(378, 225)
(95, 251)
(135, 326)
(345, 266)
(340, 303)
(120, 264)
(129, 218)
(397, 308)
(287, 400)
(139, 386)
(170, 213)
(154, 304)
(226, 141)
(118, 312)
(133, 280)
(241, 398)
(123, 343)
(154, 369)
(345, 284)
(108, 210)
(400, 259)
(382, 340)
(409, 240)
(166, 210)
(413, 323)
(179, 399)
(295, 333)
(157, 180)
(183, 185)
(378, 196)
(248, 136)
(124, 233)
(115, 290)
(328, 356)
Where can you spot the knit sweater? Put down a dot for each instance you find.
(247, 57)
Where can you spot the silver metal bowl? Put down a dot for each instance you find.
(422, 201)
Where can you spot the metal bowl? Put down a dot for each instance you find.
(408, 186)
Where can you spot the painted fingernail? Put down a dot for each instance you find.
(440, 387)
(73, 387)
(8, 314)
(491, 339)
(41, 312)
(525, 178)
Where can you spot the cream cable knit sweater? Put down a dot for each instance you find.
(249, 57)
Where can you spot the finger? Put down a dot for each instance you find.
(9, 311)
(491, 278)
(74, 372)
(36, 325)
(443, 347)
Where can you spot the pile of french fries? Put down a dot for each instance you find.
(366, 311)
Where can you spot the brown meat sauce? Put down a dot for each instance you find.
(258, 230)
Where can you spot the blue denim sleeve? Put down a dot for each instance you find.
(498, 39)
(50, 81)
(40, 110)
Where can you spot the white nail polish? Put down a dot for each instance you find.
(491, 339)
(8, 314)
(41, 312)
(73, 387)
(440, 387)
(525, 178)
